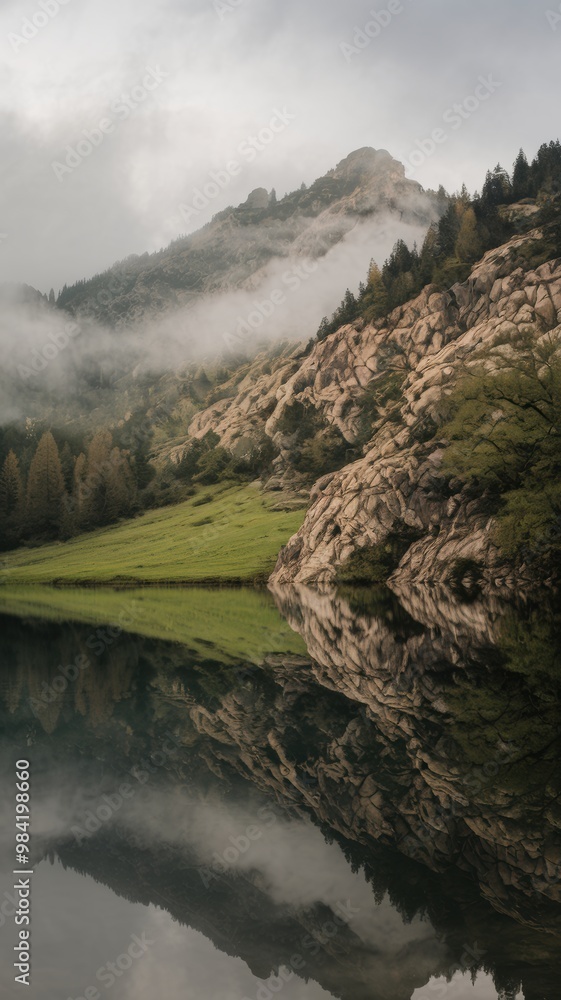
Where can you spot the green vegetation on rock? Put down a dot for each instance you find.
(372, 565)
(505, 439)
(468, 227)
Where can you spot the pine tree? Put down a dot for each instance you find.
(376, 302)
(448, 229)
(11, 487)
(11, 502)
(546, 168)
(323, 329)
(78, 488)
(430, 252)
(497, 189)
(349, 307)
(119, 486)
(67, 463)
(92, 490)
(521, 177)
(104, 483)
(400, 260)
(45, 489)
(469, 247)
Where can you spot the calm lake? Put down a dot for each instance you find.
(239, 795)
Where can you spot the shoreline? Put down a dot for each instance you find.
(208, 583)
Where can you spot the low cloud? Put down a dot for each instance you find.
(48, 351)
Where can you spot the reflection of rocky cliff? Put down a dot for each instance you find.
(405, 731)
(463, 774)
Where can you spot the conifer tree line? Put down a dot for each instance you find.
(469, 227)
(48, 493)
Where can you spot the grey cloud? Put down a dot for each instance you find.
(226, 74)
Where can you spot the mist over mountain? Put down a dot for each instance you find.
(237, 249)
(280, 500)
(266, 270)
(199, 366)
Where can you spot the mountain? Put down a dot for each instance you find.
(422, 422)
(20, 295)
(234, 250)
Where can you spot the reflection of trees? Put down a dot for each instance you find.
(422, 737)
(33, 679)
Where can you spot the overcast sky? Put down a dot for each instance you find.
(217, 72)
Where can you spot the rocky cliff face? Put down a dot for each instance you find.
(398, 479)
(421, 347)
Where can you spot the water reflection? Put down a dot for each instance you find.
(461, 986)
(376, 819)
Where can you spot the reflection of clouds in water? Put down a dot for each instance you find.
(294, 867)
(79, 926)
(57, 800)
(297, 866)
(185, 964)
(301, 869)
(460, 987)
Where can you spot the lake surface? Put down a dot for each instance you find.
(237, 796)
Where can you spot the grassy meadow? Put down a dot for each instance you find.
(229, 535)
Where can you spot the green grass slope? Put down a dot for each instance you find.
(225, 625)
(227, 535)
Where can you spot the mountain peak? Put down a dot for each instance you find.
(367, 162)
(220, 256)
